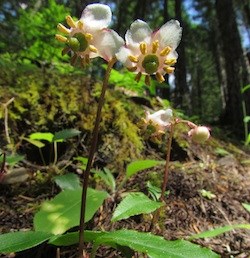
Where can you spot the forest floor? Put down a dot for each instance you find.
(225, 174)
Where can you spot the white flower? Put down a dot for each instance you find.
(89, 37)
(199, 134)
(148, 52)
(161, 119)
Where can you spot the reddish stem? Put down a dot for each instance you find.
(91, 156)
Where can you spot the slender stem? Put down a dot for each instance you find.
(41, 155)
(6, 126)
(55, 153)
(91, 156)
(165, 180)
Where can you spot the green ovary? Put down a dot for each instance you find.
(150, 63)
(78, 42)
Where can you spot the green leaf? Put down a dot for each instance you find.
(244, 89)
(12, 159)
(155, 191)
(246, 206)
(42, 136)
(140, 165)
(69, 181)
(63, 212)
(83, 160)
(217, 231)
(65, 134)
(155, 246)
(221, 152)
(36, 143)
(107, 176)
(73, 238)
(134, 204)
(18, 241)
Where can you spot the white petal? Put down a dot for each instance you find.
(167, 115)
(172, 55)
(139, 32)
(161, 117)
(96, 16)
(108, 43)
(122, 56)
(169, 34)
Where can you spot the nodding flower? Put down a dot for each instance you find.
(89, 37)
(160, 119)
(150, 53)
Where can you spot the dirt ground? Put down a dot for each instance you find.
(187, 210)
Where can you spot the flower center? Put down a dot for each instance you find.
(150, 63)
(78, 42)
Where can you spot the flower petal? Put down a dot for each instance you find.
(108, 43)
(96, 16)
(139, 32)
(169, 34)
(122, 56)
(161, 118)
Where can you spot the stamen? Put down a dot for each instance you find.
(70, 21)
(80, 24)
(159, 77)
(138, 77)
(155, 46)
(63, 29)
(61, 38)
(73, 59)
(88, 36)
(170, 61)
(143, 48)
(165, 51)
(168, 69)
(65, 51)
(147, 80)
(93, 49)
(132, 69)
(133, 59)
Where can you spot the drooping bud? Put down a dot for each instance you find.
(199, 134)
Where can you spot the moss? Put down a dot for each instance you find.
(71, 102)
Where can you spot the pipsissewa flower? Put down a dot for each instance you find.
(160, 119)
(151, 53)
(89, 37)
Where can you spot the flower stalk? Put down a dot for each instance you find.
(91, 156)
(166, 169)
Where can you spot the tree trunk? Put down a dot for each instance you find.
(234, 65)
(181, 87)
(140, 9)
(163, 89)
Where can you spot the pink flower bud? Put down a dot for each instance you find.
(199, 134)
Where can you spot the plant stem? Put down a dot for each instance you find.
(6, 126)
(165, 180)
(55, 153)
(91, 156)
